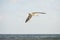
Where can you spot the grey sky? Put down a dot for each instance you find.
(13, 14)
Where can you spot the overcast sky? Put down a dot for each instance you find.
(13, 14)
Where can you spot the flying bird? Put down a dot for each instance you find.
(33, 14)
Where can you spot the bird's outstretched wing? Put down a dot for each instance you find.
(39, 12)
(28, 18)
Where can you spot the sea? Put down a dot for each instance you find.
(29, 36)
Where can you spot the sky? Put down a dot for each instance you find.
(13, 14)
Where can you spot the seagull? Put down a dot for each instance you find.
(33, 14)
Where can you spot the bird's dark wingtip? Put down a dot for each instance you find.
(25, 22)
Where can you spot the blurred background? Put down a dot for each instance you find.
(13, 14)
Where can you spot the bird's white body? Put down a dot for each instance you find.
(34, 14)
